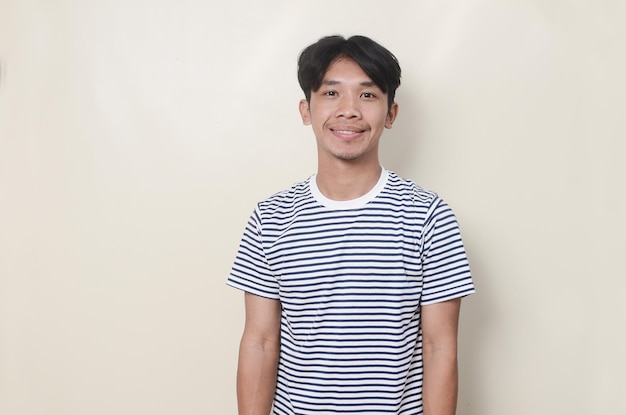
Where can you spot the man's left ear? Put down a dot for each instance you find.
(391, 115)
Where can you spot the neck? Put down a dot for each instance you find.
(346, 181)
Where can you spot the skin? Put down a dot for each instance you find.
(348, 115)
(258, 356)
(439, 352)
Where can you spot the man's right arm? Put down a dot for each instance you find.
(258, 356)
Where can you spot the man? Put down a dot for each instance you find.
(352, 278)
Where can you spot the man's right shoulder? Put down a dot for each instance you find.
(288, 198)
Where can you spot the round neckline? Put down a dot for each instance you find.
(357, 203)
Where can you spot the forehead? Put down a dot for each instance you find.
(346, 71)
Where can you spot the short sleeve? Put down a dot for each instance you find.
(446, 270)
(251, 271)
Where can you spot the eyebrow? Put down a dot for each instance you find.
(364, 83)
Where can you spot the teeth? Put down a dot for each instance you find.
(345, 132)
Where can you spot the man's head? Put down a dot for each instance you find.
(375, 60)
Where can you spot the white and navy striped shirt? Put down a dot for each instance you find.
(351, 277)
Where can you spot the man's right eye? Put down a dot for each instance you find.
(330, 93)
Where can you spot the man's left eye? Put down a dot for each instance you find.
(368, 95)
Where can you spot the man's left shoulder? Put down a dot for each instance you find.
(410, 189)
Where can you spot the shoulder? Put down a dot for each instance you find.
(400, 187)
(286, 200)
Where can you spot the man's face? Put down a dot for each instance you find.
(348, 114)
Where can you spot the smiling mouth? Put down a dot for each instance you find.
(347, 133)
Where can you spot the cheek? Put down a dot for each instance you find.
(382, 121)
(319, 119)
(377, 115)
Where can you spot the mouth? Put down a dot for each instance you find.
(347, 132)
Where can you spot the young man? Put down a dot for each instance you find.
(352, 278)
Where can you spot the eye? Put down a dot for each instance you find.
(368, 95)
(331, 93)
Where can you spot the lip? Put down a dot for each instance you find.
(347, 132)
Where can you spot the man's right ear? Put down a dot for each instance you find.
(305, 113)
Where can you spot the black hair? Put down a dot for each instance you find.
(375, 60)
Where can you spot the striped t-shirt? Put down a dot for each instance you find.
(351, 277)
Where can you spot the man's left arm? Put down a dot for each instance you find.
(440, 323)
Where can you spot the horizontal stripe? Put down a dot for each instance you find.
(351, 282)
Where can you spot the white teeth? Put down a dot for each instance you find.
(345, 132)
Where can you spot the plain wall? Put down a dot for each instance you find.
(136, 137)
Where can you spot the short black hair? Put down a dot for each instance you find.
(375, 60)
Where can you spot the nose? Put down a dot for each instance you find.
(348, 107)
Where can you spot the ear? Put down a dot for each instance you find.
(391, 115)
(305, 112)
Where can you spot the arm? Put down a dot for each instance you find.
(258, 356)
(439, 342)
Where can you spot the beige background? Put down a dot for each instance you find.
(136, 136)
